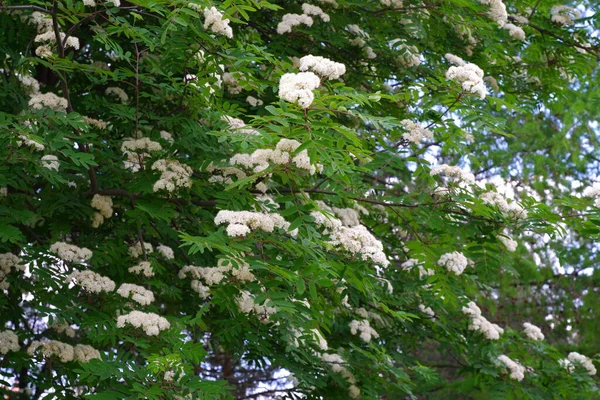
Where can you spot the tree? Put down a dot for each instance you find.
(344, 199)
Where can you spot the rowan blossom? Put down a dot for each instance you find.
(322, 66)
(564, 15)
(426, 310)
(136, 251)
(85, 353)
(365, 329)
(532, 331)
(290, 20)
(515, 369)
(298, 88)
(480, 323)
(118, 92)
(9, 341)
(238, 126)
(336, 362)
(454, 172)
(512, 210)
(455, 262)
(143, 268)
(253, 101)
(415, 133)
(8, 262)
(92, 281)
(63, 351)
(174, 175)
(240, 223)
(214, 20)
(49, 100)
(261, 159)
(165, 251)
(70, 252)
(65, 328)
(515, 31)
(574, 359)
(138, 293)
(309, 9)
(470, 76)
(151, 323)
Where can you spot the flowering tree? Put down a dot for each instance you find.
(254, 199)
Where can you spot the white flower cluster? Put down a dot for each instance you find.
(104, 205)
(254, 102)
(8, 342)
(512, 210)
(412, 262)
(309, 9)
(365, 329)
(454, 172)
(392, 3)
(516, 370)
(298, 88)
(426, 310)
(92, 281)
(239, 126)
(564, 15)
(515, 31)
(360, 41)
(50, 162)
(337, 366)
(8, 261)
(63, 327)
(95, 123)
(3, 192)
(136, 150)
(26, 141)
(151, 323)
(143, 268)
(231, 81)
(262, 158)
(247, 305)
(174, 175)
(65, 352)
(138, 293)
(290, 20)
(226, 173)
(532, 331)
(30, 84)
(240, 223)
(455, 262)
(594, 192)
(575, 358)
(356, 239)
(215, 275)
(70, 252)
(48, 100)
(165, 251)
(118, 92)
(470, 76)
(409, 56)
(480, 323)
(348, 216)
(510, 244)
(135, 251)
(497, 11)
(213, 19)
(322, 66)
(415, 133)
(166, 136)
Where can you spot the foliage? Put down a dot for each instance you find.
(301, 309)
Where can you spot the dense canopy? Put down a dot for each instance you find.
(275, 199)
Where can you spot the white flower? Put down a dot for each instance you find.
(564, 15)
(143, 268)
(8, 262)
(470, 76)
(516, 370)
(510, 244)
(63, 351)
(455, 60)
(70, 252)
(240, 223)
(575, 358)
(49, 36)
(138, 293)
(309, 9)
(426, 310)
(239, 126)
(166, 136)
(532, 331)
(455, 172)
(63, 327)
(480, 323)
(51, 162)
(8, 342)
(85, 353)
(165, 251)
(415, 133)
(298, 88)
(120, 93)
(322, 66)
(103, 204)
(174, 175)
(135, 251)
(515, 31)
(512, 210)
(89, 3)
(455, 262)
(254, 102)
(151, 323)
(213, 19)
(91, 281)
(49, 100)
(365, 329)
(290, 20)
